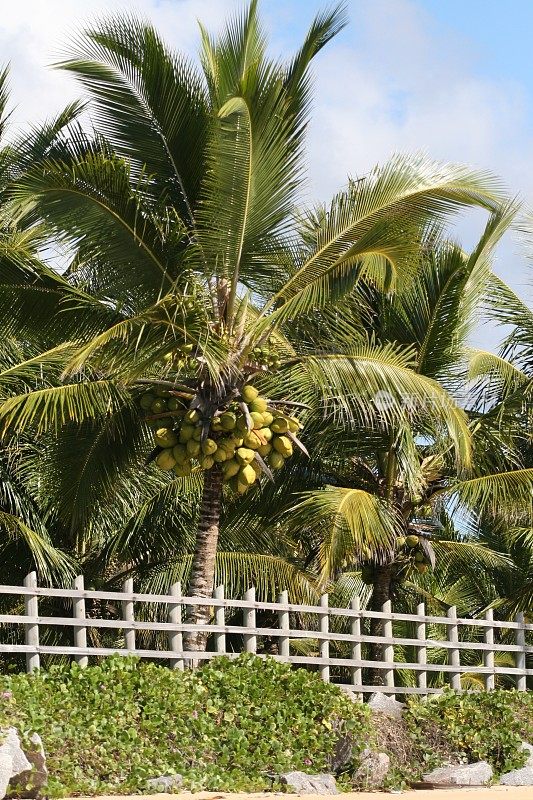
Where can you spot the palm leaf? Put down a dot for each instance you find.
(148, 102)
(53, 407)
(358, 524)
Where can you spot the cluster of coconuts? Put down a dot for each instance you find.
(410, 554)
(246, 438)
(265, 357)
(412, 551)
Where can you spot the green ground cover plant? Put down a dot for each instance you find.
(481, 726)
(230, 725)
(233, 725)
(453, 728)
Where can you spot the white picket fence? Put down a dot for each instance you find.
(317, 623)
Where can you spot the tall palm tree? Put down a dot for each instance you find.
(189, 256)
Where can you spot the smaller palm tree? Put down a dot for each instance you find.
(391, 492)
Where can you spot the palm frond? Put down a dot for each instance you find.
(149, 103)
(368, 218)
(51, 408)
(505, 494)
(50, 562)
(357, 524)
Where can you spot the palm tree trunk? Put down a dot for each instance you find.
(201, 582)
(381, 592)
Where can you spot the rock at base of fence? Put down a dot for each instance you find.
(22, 770)
(518, 777)
(478, 774)
(164, 783)
(386, 705)
(372, 770)
(302, 783)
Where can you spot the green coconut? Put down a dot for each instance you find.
(164, 437)
(179, 451)
(257, 419)
(282, 445)
(280, 425)
(252, 441)
(209, 447)
(159, 406)
(165, 459)
(228, 420)
(244, 455)
(186, 432)
(275, 460)
(193, 448)
(230, 468)
(266, 433)
(249, 393)
(247, 475)
(146, 401)
(260, 404)
(182, 470)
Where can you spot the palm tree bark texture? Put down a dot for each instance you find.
(201, 583)
(380, 594)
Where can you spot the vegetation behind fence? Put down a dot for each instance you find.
(417, 653)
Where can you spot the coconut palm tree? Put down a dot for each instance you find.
(192, 271)
(409, 479)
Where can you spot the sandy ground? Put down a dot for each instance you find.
(494, 793)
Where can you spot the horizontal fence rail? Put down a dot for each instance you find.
(361, 650)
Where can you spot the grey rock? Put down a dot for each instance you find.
(165, 783)
(529, 750)
(30, 782)
(10, 743)
(386, 705)
(478, 774)
(518, 777)
(6, 769)
(302, 783)
(372, 770)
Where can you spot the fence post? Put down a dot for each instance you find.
(31, 630)
(250, 639)
(421, 650)
(175, 637)
(284, 625)
(324, 643)
(388, 650)
(80, 632)
(454, 658)
(355, 630)
(488, 655)
(521, 681)
(220, 620)
(128, 615)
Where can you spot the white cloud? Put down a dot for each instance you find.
(35, 34)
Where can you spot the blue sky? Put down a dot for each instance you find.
(452, 78)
